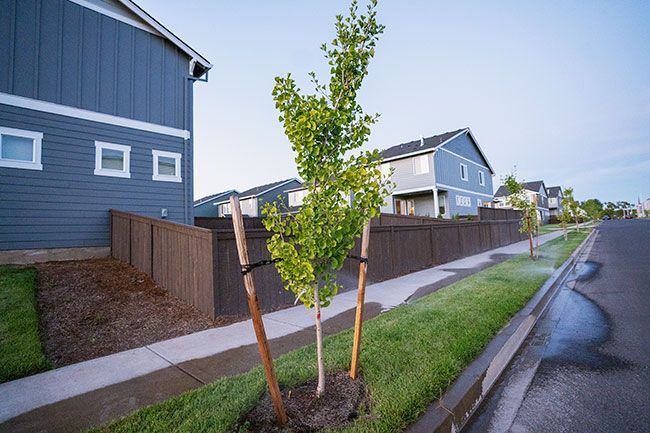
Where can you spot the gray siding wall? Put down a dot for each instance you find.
(65, 204)
(405, 177)
(60, 52)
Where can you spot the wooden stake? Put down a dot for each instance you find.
(363, 267)
(256, 315)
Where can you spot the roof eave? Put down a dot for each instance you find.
(133, 7)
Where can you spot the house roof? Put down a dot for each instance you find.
(262, 189)
(430, 144)
(531, 186)
(417, 145)
(201, 66)
(554, 191)
(212, 197)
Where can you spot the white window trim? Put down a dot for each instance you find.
(164, 177)
(479, 202)
(297, 198)
(481, 178)
(99, 171)
(36, 137)
(417, 162)
(466, 178)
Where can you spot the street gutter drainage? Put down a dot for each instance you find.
(465, 395)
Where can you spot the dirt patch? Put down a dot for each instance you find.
(344, 401)
(92, 308)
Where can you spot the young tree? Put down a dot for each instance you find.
(518, 199)
(572, 206)
(565, 218)
(593, 208)
(345, 186)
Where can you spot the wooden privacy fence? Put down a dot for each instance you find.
(201, 266)
(496, 214)
(177, 257)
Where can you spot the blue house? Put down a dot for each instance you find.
(443, 175)
(95, 113)
(207, 206)
(253, 199)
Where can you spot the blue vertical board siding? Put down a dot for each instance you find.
(6, 35)
(107, 64)
(447, 169)
(90, 60)
(61, 52)
(125, 62)
(49, 41)
(24, 40)
(66, 204)
(71, 34)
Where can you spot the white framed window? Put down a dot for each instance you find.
(296, 198)
(481, 178)
(20, 149)
(464, 201)
(112, 159)
(226, 209)
(421, 164)
(479, 202)
(166, 166)
(385, 169)
(463, 172)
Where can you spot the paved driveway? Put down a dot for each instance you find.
(586, 365)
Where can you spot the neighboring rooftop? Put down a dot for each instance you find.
(212, 197)
(252, 192)
(531, 186)
(417, 145)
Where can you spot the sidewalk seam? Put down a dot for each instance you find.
(176, 366)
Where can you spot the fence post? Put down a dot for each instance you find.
(392, 249)
(363, 267)
(256, 315)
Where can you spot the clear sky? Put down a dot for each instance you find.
(559, 89)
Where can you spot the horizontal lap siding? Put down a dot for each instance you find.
(66, 204)
(58, 51)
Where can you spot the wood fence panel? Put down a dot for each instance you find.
(121, 237)
(141, 245)
(178, 257)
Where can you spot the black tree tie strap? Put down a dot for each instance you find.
(361, 259)
(249, 267)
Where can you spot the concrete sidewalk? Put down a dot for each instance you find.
(91, 393)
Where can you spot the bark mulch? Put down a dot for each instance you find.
(92, 308)
(344, 401)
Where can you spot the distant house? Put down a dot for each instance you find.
(207, 206)
(555, 196)
(443, 175)
(252, 200)
(95, 113)
(536, 192)
(643, 208)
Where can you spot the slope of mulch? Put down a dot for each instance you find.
(92, 308)
(344, 401)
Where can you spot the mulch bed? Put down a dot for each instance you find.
(92, 308)
(344, 401)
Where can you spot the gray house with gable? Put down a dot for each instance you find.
(536, 193)
(443, 175)
(95, 113)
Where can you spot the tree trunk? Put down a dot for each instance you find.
(566, 233)
(530, 233)
(320, 389)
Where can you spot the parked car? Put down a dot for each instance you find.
(606, 217)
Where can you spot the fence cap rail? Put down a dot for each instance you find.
(172, 225)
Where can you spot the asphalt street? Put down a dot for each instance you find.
(586, 365)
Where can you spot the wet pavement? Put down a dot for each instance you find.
(586, 365)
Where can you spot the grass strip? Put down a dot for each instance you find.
(409, 355)
(21, 353)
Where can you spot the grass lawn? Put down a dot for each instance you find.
(21, 353)
(409, 355)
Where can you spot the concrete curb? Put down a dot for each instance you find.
(464, 396)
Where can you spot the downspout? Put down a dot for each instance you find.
(436, 203)
(187, 142)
